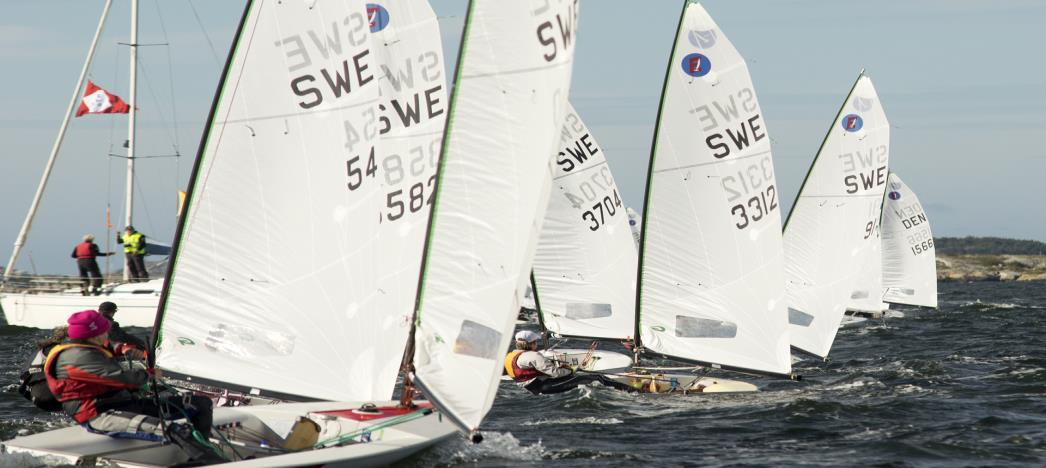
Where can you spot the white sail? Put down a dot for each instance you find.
(909, 258)
(276, 284)
(633, 222)
(830, 233)
(585, 264)
(411, 115)
(506, 114)
(711, 278)
(867, 292)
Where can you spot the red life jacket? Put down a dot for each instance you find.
(83, 250)
(75, 389)
(517, 373)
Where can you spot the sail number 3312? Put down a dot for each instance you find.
(753, 191)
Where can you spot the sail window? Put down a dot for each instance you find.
(800, 318)
(582, 311)
(696, 327)
(476, 339)
(247, 342)
(859, 295)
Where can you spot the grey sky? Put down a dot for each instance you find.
(961, 80)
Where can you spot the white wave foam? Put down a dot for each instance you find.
(495, 446)
(857, 384)
(588, 420)
(1000, 305)
(910, 389)
(25, 460)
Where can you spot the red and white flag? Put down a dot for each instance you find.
(99, 101)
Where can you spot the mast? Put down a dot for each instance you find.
(74, 102)
(133, 91)
(636, 341)
(537, 308)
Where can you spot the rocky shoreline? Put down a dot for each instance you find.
(991, 268)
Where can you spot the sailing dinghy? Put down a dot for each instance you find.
(584, 268)
(831, 234)
(906, 266)
(279, 288)
(510, 93)
(710, 277)
(909, 258)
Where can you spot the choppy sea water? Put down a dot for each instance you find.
(962, 385)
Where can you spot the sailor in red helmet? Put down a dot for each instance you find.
(541, 375)
(87, 377)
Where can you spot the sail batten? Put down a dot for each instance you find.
(832, 235)
(507, 107)
(711, 278)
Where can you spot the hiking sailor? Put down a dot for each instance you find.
(33, 384)
(96, 390)
(541, 375)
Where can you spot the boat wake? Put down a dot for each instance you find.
(588, 420)
(495, 446)
(977, 305)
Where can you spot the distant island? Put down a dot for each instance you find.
(990, 259)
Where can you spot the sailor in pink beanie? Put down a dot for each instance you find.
(86, 375)
(87, 324)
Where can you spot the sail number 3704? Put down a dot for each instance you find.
(599, 213)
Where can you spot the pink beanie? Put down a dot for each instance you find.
(87, 324)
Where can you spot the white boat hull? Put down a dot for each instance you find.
(74, 445)
(683, 383)
(852, 321)
(601, 360)
(136, 302)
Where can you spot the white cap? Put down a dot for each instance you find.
(527, 336)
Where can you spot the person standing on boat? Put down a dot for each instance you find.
(90, 276)
(134, 249)
(117, 334)
(540, 375)
(99, 393)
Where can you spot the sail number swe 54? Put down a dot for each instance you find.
(398, 172)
